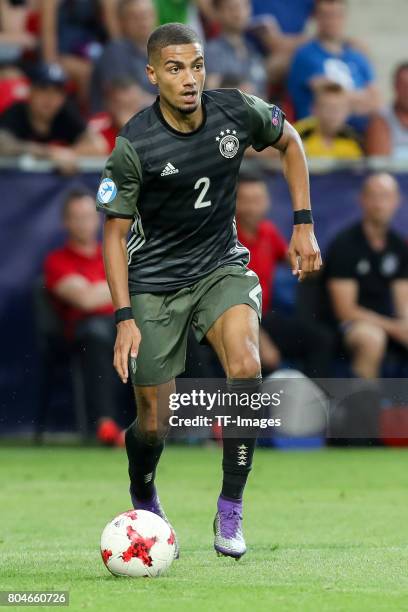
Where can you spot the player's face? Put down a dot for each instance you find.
(82, 221)
(252, 203)
(234, 15)
(179, 74)
(46, 102)
(380, 199)
(332, 110)
(331, 20)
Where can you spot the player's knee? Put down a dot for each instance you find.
(247, 365)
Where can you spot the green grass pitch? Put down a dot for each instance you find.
(325, 530)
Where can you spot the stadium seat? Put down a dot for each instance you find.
(53, 348)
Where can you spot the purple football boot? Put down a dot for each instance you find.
(228, 537)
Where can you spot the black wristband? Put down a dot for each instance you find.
(123, 314)
(302, 216)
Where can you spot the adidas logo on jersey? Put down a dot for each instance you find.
(169, 169)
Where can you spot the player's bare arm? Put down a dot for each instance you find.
(115, 256)
(304, 252)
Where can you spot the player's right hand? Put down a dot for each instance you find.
(127, 344)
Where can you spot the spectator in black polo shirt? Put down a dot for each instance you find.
(367, 279)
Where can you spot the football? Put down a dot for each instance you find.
(137, 543)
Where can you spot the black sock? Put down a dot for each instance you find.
(143, 455)
(238, 442)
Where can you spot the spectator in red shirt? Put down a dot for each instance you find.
(75, 277)
(123, 99)
(281, 336)
(262, 238)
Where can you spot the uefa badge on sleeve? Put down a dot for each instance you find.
(276, 116)
(107, 191)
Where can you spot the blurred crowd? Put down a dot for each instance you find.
(349, 321)
(72, 73)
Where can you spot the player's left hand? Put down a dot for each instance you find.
(127, 345)
(304, 253)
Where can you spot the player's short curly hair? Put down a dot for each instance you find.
(170, 34)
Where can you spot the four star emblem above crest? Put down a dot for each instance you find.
(228, 143)
(224, 132)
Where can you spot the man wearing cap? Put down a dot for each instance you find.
(46, 126)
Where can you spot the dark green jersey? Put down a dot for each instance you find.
(180, 188)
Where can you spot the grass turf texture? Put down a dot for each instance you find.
(325, 530)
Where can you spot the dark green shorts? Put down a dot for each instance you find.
(164, 319)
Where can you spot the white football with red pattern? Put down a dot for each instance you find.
(137, 543)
